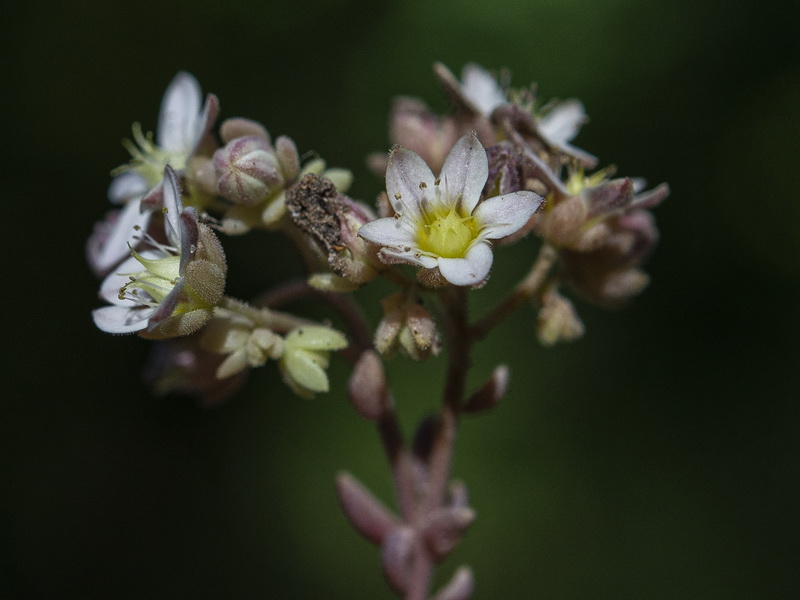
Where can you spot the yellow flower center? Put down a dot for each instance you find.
(448, 235)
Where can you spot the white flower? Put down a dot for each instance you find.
(172, 289)
(481, 88)
(441, 223)
(182, 125)
(559, 126)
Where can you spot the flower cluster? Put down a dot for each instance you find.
(601, 228)
(164, 267)
(499, 168)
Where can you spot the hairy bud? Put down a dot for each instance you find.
(246, 170)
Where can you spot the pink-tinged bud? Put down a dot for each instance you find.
(238, 127)
(246, 170)
(608, 197)
(458, 495)
(446, 528)
(367, 387)
(460, 586)
(414, 126)
(563, 223)
(396, 557)
(490, 394)
(288, 157)
(366, 513)
(557, 320)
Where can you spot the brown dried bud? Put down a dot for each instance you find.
(332, 221)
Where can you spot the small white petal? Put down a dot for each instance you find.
(413, 256)
(119, 319)
(481, 88)
(389, 232)
(407, 176)
(121, 233)
(562, 123)
(127, 186)
(471, 270)
(109, 289)
(180, 113)
(506, 214)
(465, 172)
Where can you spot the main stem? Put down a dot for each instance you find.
(441, 456)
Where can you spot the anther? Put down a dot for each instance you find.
(438, 181)
(422, 185)
(397, 196)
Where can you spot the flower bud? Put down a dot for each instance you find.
(366, 513)
(445, 528)
(563, 222)
(247, 170)
(239, 127)
(406, 326)
(332, 220)
(557, 320)
(396, 557)
(490, 394)
(305, 358)
(459, 587)
(180, 365)
(367, 387)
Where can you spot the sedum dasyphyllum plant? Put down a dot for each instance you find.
(498, 168)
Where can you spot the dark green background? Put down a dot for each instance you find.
(655, 458)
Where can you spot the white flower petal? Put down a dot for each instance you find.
(465, 172)
(481, 88)
(471, 270)
(127, 186)
(121, 232)
(109, 289)
(120, 319)
(389, 232)
(413, 256)
(180, 114)
(506, 214)
(562, 123)
(406, 177)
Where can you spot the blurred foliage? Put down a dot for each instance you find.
(655, 458)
